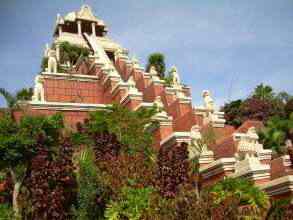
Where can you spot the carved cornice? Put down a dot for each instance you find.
(77, 77)
(218, 166)
(176, 137)
(279, 186)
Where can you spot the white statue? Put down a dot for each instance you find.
(158, 102)
(175, 77)
(52, 61)
(38, 90)
(195, 133)
(209, 102)
(132, 89)
(153, 70)
(46, 51)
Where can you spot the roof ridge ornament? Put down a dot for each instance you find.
(86, 13)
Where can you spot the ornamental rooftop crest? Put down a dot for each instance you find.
(84, 70)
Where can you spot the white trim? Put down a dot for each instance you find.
(218, 166)
(78, 77)
(64, 106)
(177, 137)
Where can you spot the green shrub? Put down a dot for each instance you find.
(131, 204)
(6, 212)
(88, 186)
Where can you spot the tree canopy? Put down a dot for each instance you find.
(158, 61)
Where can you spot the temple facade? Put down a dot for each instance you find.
(107, 74)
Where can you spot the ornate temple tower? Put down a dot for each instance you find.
(84, 70)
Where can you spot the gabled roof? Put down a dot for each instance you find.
(248, 124)
(227, 145)
(85, 13)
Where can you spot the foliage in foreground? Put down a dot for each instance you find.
(115, 175)
(87, 179)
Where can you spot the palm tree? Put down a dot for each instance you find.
(263, 92)
(275, 133)
(12, 100)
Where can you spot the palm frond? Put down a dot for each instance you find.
(9, 98)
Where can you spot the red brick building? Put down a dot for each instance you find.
(108, 75)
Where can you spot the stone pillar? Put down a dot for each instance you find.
(94, 28)
(79, 28)
(58, 52)
(60, 30)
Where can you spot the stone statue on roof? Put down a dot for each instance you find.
(153, 70)
(38, 90)
(175, 77)
(158, 102)
(132, 88)
(46, 51)
(209, 102)
(52, 61)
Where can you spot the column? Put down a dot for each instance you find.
(79, 28)
(60, 30)
(57, 52)
(94, 28)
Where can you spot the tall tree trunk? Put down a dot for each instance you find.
(16, 191)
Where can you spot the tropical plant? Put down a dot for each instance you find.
(158, 61)
(276, 132)
(12, 99)
(196, 148)
(6, 212)
(131, 204)
(280, 210)
(263, 92)
(70, 53)
(87, 177)
(128, 127)
(25, 94)
(249, 197)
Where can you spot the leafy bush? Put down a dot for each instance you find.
(158, 61)
(52, 183)
(276, 132)
(6, 212)
(70, 53)
(247, 197)
(87, 179)
(173, 169)
(131, 204)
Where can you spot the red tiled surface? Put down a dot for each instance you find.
(248, 124)
(278, 169)
(60, 90)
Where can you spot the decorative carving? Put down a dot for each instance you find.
(52, 61)
(38, 95)
(131, 83)
(194, 132)
(175, 77)
(46, 51)
(209, 102)
(158, 102)
(153, 70)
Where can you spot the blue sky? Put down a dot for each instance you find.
(226, 46)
